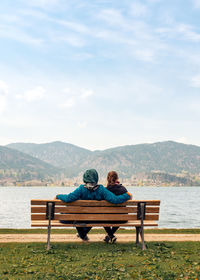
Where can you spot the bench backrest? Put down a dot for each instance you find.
(93, 210)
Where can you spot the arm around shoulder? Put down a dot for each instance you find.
(73, 196)
(112, 198)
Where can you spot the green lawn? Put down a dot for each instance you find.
(95, 230)
(162, 260)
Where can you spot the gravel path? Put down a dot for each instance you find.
(7, 238)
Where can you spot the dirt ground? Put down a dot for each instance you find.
(7, 238)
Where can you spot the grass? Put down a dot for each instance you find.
(96, 230)
(166, 261)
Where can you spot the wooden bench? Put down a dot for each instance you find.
(137, 213)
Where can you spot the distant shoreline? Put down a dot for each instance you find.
(129, 186)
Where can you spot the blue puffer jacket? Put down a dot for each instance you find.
(100, 193)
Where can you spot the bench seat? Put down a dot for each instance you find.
(82, 213)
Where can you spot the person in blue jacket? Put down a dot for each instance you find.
(90, 190)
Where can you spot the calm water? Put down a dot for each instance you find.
(179, 205)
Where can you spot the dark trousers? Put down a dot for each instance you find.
(83, 231)
(110, 231)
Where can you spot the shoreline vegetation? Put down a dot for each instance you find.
(73, 186)
(152, 179)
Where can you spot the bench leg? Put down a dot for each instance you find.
(48, 238)
(137, 235)
(49, 227)
(142, 238)
(142, 205)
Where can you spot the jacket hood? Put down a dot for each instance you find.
(90, 176)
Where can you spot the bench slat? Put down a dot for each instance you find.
(129, 224)
(93, 202)
(94, 217)
(78, 209)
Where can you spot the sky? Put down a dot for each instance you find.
(100, 73)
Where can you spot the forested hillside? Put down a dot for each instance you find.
(20, 166)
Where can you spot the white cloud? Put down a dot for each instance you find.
(86, 93)
(83, 56)
(13, 19)
(2, 103)
(195, 81)
(68, 25)
(34, 94)
(71, 39)
(23, 121)
(179, 32)
(67, 90)
(196, 3)
(74, 97)
(139, 39)
(75, 26)
(11, 32)
(113, 17)
(3, 88)
(153, 1)
(188, 32)
(82, 124)
(43, 3)
(144, 92)
(144, 55)
(69, 103)
(70, 32)
(3, 93)
(194, 105)
(138, 9)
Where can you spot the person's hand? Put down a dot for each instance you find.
(129, 195)
(55, 198)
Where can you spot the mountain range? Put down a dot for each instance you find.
(56, 158)
(21, 166)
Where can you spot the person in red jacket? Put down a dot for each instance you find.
(114, 186)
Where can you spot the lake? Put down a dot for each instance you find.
(179, 205)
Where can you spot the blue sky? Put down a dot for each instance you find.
(99, 73)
